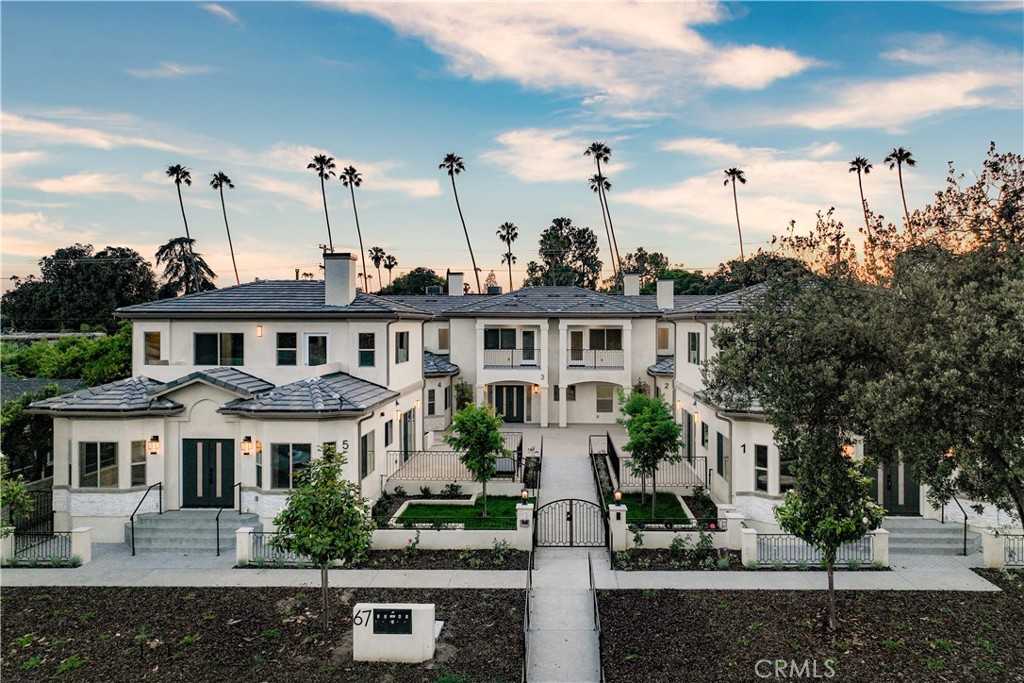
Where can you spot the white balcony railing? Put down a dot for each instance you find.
(511, 358)
(594, 358)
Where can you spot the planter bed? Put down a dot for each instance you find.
(515, 560)
(501, 514)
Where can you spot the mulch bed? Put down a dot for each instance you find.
(445, 559)
(127, 635)
(716, 636)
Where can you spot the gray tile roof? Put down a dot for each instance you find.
(232, 379)
(435, 365)
(270, 298)
(321, 396)
(12, 388)
(753, 408)
(438, 304)
(732, 302)
(666, 365)
(131, 395)
(561, 301)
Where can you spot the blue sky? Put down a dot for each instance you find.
(99, 98)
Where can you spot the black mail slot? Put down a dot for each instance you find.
(392, 621)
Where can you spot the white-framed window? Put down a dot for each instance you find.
(442, 339)
(499, 338)
(760, 468)
(287, 460)
(704, 434)
(447, 398)
(605, 398)
(787, 473)
(316, 348)
(693, 347)
(223, 348)
(151, 341)
(97, 464)
(431, 402)
(389, 433)
(366, 455)
(367, 349)
(401, 347)
(138, 463)
(570, 392)
(287, 348)
(609, 339)
(663, 339)
(259, 469)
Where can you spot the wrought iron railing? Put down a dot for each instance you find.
(43, 546)
(39, 518)
(159, 486)
(446, 466)
(680, 524)
(446, 523)
(685, 473)
(964, 513)
(594, 358)
(1013, 549)
(790, 550)
(512, 358)
(264, 550)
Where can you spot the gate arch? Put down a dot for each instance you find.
(570, 523)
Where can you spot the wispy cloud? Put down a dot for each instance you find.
(15, 160)
(96, 183)
(171, 70)
(42, 131)
(222, 12)
(986, 7)
(538, 155)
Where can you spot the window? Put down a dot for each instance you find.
(389, 432)
(442, 339)
(316, 349)
(287, 460)
(720, 443)
(787, 473)
(499, 338)
(431, 402)
(366, 464)
(97, 464)
(225, 348)
(570, 392)
(367, 346)
(259, 469)
(704, 434)
(606, 340)
(287, 348)
(663, 339)
(693, 349)
(401, 347)
(152, 344)
(760, 468)
(529, 346)
(138, 463)
(447, 398)
(556, 392)
(605, 398)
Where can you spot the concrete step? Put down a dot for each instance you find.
(187, 532)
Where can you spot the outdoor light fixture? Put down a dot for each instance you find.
(536, 388)
(398, 415)
(259, 330)
(524, 494)
(618, 496)
(679, 405)
(153, 445)
(696, 417)
(416, 405)
(248, 447)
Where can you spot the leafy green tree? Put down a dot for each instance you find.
(654, 436)
(325, 518)
(647, 264)
(761, 267)
(219, 181)
(14, 496)
(26, 439)
(185, 271)
(684, 281)
(476, 430)
(324, 167)
(732, 175)
(95, 360)
(453, 165)
(568, 257)
(416, 281)
(79, 288)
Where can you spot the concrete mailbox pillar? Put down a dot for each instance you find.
(992, 549)
(7, 545)
(243, 545)
(396, 632)
(733, 535)
(748, 546)
(81, 543)
(880, 546)
(617, 528)
(524, 526)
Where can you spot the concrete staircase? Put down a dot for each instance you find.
(187, 532)
(919, 536)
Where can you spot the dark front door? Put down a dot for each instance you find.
(208, 473)
(901, 493)
(509, 401)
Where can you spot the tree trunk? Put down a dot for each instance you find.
(362, 252)
(611, 226)
(830, 559)
(863, 204)
(485, 498)
(899, 170)
(607, 232)
(182, 204)
(380, 279)
(509, 255)
(323, 191)
(231, 247)
(464, 230)
(654, 492)
(323, 592)
(736, 204)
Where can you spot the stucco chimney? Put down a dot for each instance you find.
(631, 284)
(666, 298)
(455, 284)
(339, 278)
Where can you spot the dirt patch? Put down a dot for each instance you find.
(241, 634)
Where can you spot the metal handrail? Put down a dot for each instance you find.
(597, 618)
(955, 500)
(160, 507)
(239, 487)
(526, 618)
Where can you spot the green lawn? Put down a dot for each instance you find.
(501, 513)
(668, 507)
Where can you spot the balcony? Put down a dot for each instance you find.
(595, 358)
(511, 358)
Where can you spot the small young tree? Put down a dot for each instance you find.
(326, 518)
(476, 430)
(830, 505)
(14, 498)
(654, 436)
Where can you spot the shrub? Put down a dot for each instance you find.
(778, 565)
(400, 492)
(878, 564)
(499, 551)
(802, 565)
(426, 492)
(753, 564)
(725, 562)
(680, 545)
(853, 564)
(452, 490)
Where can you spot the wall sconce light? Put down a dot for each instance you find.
(536, 388)
(398, 415)
(259, 330)
(679, 405)
(248, 446)
(696, 417)
(153, 445)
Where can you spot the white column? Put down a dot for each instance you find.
(880, 546)
(6, 544)
(991, 549)
(478, 351)
(617, 527)
(748, 547)
(243, 546)
(627, 354)
(545, 398)
(733, 530)
(524, 526)
(81, 543)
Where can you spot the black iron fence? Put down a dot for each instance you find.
(426, 521)
(1013, 549)
(681, 524)
(790, 550)
(265, 551)
(43, 546)
(38, 518)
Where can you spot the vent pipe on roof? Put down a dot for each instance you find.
(339, 278)
(455, 284)
(666, 287)
(631, 284)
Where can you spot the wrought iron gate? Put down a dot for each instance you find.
(570, 523)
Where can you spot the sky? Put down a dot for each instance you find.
(98, 99)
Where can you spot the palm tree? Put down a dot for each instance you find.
(731, 176)
(861, 165)
(181, 175)
(453, 165)
(389, 264)
(377, 256)
(185, 270)
(324, 167)
(508, 233)
(602, 152)
(351, 179)
(599, 184)
(896, 158)
(220, 179)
